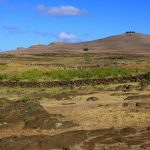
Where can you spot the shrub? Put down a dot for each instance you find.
(14, 77)
(145, 82)
(2, 76)
(130, 32)
(2, 64)
(27, 120)
(86, 49)
(25, 98)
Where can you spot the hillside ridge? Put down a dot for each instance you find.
(127, 43)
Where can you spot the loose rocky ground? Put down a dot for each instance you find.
(31, 114)
(76, 115)
(103, 139)
(104, 117)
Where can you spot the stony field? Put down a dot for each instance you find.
(102, 116)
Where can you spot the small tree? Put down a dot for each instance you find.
(130, 32)
(85, 49)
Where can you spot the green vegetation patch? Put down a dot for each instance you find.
(44, 75)
(3, 64)
(145, 82)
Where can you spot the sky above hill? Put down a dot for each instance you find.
(28, 22)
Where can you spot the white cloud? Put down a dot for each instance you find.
(67, 37)
(60, 11)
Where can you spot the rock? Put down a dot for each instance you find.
(72, 87)
(142, 87)
(92, 99)
(148, 128)
(142, 105)
(124, 88)
(58, 125)
(138, 97)
(5, 123)
(127, 88)
(118, 88)
(125, 104)
(127, 131)
(15, 136)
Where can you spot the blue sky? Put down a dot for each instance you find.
(28, 22)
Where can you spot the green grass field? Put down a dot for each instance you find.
(45, 75)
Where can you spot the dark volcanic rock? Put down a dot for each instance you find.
(138, 97)
(81, 82)
(92, 99)
(108, 139)
(124, 88)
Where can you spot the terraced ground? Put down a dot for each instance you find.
(113, 116)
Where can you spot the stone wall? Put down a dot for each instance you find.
(83, 82)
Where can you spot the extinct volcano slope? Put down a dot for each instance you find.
(131, 43)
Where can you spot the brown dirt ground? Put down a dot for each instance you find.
(31, 114)
(109, 123)
(108, 139)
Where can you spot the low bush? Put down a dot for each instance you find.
(86, 49)
(145, 82)
(3, 64)
(25, 98)
(27, 120)
(2, 77)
